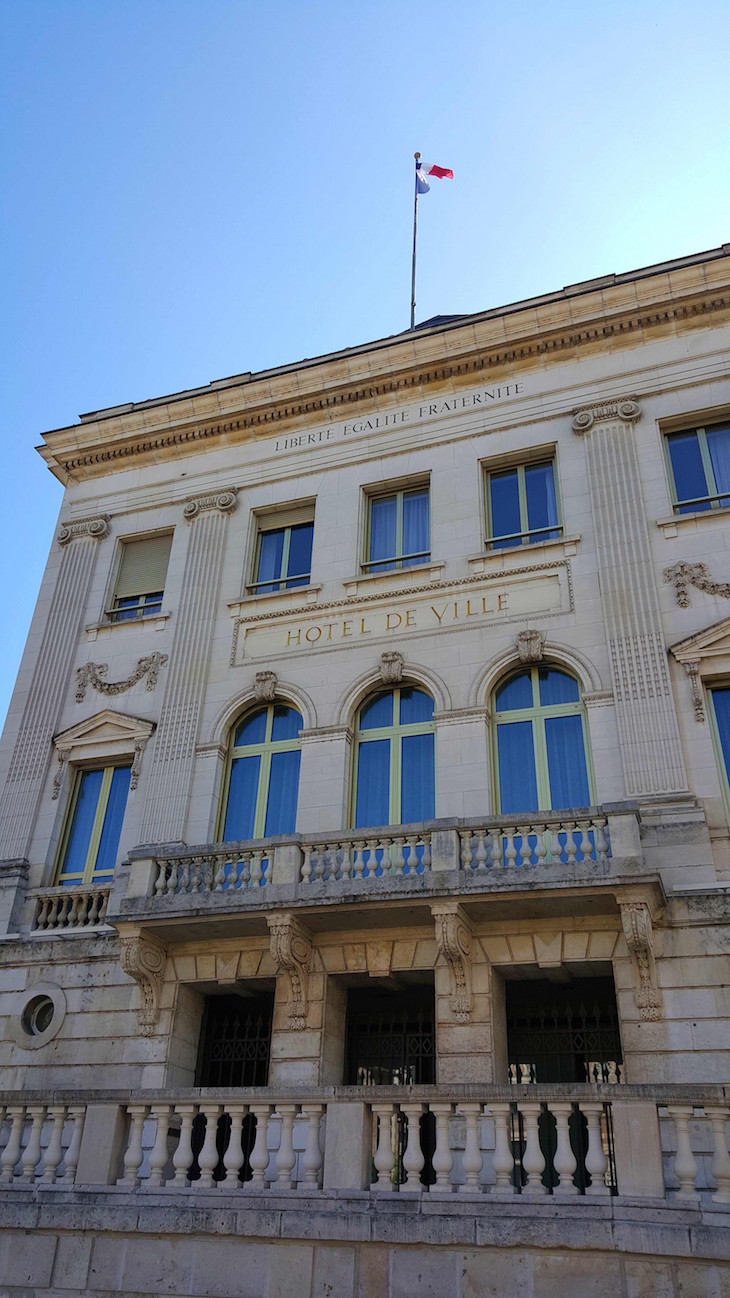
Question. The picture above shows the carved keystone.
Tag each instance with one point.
(639, 934)
(391, 667)
(454, 941)
(531, 646)
(264, 687)
(291, 951)
(144, 960)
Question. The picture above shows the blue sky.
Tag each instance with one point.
(192, 188)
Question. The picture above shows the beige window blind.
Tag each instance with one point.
(144, 566)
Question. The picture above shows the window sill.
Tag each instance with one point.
(286, 598)
(396, 578)
(153, 622)
(496, 560)
(677, 523)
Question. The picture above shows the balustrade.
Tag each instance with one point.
(40, 1143)
(225, 870)
(542, 841)
(367, 856)
(70, 908)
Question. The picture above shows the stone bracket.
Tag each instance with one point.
(144, 959)
(291, 951)
(639, 934)
(454, 941)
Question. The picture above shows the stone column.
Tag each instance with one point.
(171, 770)
(49, 683)
(645, 710)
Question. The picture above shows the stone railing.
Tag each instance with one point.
(69, 908)
(368, 856)
(655, 1142)
(503, 844)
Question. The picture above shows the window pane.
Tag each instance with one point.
(721, 700)
(87, 801)
(107, 854)
(542, 509)
(718, 444)
(689, 475)
(504, 499)
(415, 706)
(415, 525)
(287, 723)
(272, 547)
(382, 531)
(373, 784)
(516, 760)
(566, 762)
(418, 793)
(242, 792)
(300, 554)
(252, 729)
(378, 712)
(556, 687)
(281, 808)
(516, 693)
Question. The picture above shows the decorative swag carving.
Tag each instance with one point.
(684, 575)
(94, 674)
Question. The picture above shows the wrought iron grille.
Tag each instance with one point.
(390, 1038)
(236, 1041)
(563, 1034)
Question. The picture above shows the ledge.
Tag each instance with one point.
(156, 622)
(496, 560)
(676, 523)
(396, 580)
(297, 597)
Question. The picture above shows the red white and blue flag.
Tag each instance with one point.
(425, 169)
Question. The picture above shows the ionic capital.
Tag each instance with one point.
(454, 941)
(97, 528)
(224, 501)
(291, 951)
(626, 411)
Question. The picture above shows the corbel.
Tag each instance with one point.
(639, 933)
(291, 951)
(144, 959)
(454, 942)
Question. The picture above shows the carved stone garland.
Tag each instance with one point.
(454, 941)
(94, 674)
(291, 951)
(683, 575)
(637, 926)
(144, 960)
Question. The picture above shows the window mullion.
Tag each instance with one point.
(98, 825)
(522, 492)
(399, 527)
(542, 772)
(286, 545)
(707, 466)
(262, 792)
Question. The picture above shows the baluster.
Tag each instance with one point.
(685, 1163)
(134, 1154)
(466, 838)
(504, 1163)
(481, 855)
(472, 1159)
(285, 1156)
(720, 1167)
(42, 915)
(104, 905)
(306, 871)
(495, 840)
(32, 1152)
(208, 1156)
(510, 855)
(426, 856)
(596, 1162)
(72, 914)
(220, 874)
(93, 914)
(196, 874)
(533, 1159)
(384, 1153)
(358, 865)
(540, 848)
(208, 876)
(601, 840)
(372, 847)
(346, 866)
(586, 847)
(525, 849)
(319, 867)
(386, 864)
(443, 1159)
(398, 857)
(412, 861)
(11, 1152)
(233, 1156)
(312, 1157)
(259, 1159)
(161, 880)
(77, 1114)
(413, 1160)
(174, 880)
(564, 1162)
(570, 848)
(54, 1152)
(182, 1159)
(256, 868)
(555, 851)
(245, 871)
(58, 907)
(185, 874)
(158, 1157)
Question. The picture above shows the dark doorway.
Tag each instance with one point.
(390, 1037)
(235, 1041)
(563, 1033)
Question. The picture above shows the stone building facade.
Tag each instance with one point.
(365, 867)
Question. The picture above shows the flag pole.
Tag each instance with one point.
(415, 230)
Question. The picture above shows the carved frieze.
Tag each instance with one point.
(97, 528)
(639, 934)
(291, 951)
(531, 646)
(684, 575)
(627, 410)
(225, 501)
(264, 687)
(391, 668)
(144, 960)
(94, 674)
(454, 941)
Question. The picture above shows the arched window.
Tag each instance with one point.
(394, 759)
(540, 742)
(263, 774)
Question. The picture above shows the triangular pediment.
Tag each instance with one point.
(106, 729)
(714, 642)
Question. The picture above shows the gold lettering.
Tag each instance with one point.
(436, 612)
(346, 629)
(363, 629)
(502, 603)
(484, 605)
(392, 626)
(410, 617)
(329, 630)
(289, 640)
(470, 612)
(456, 611)
(312, 639)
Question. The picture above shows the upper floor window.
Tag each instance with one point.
(397, 530)
(394, 776)
(699, 463)
(263, 774)
(522, 505)
(91, 838)
(140, 582)
(720, 716)
(540, 742)
(283, 557)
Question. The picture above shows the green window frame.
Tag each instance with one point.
(283, 579)
(394, 733)
(720, 730)
(265, 750)
(526, 535)
(95, 817)
(537, 714)
(715, 496)
(398, 559)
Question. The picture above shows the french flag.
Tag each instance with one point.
(425, 169)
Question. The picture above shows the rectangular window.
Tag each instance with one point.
(699, 467)
(140, 581)
(283, 556)
(91, 840)
(398, 530)
(719, 710)
(522, 505)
